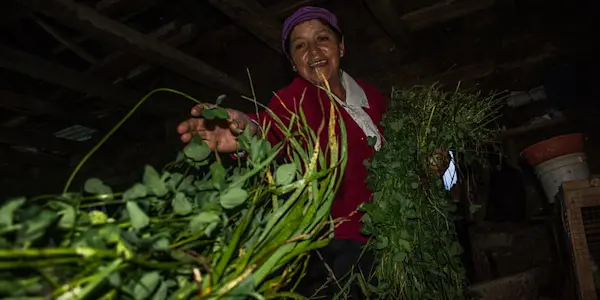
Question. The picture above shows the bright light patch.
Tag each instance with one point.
(450, 177)
(76, 133)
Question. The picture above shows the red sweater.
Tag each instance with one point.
(353, 189)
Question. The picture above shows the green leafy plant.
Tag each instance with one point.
(411, 216)
(195, 229)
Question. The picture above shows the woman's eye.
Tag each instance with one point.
(322, 38)
(299, 46)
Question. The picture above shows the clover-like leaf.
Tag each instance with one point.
(138, 217)
(233, 197)
(197, 149)
(285, 174)
(181, 205)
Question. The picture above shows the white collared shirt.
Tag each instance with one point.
(356, 102)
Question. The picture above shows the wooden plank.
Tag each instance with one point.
(33, 139)
(443, 12)
(252, 16)
(14, 157)
(27, 104)
(67, 42)
(41, 69)
(86, 20)
(386, 14)
(121, 10)
(119, 62)
(282, 9)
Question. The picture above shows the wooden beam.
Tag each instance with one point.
(14, 157)
(252, 16)
(281, 10)
(86, 20)
(27, 104)
(386, 14)
(44, 70)
(41, 141)
(443, 12)
(119, 62)
(114, 9)
(67, 42)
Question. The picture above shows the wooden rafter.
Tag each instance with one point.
(31, 106)
(112, 8)
(443, 12)
(13, 157)
(118, 62)
(281, 9)
(35, 67)
(27, 104)
(386, 13)
(86, 20)
(42, 141)
(67, 42)
(252, 16)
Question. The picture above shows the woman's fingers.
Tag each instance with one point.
(190, 127)
(197, 110)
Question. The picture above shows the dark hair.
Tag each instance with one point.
(338, 36)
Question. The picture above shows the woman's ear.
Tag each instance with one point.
(342, 47)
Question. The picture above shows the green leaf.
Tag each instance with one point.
(285, 174)
(138, 190)
(153, 182)
(399, 257)
(242, 290)
(161, 293)
(197, 149)
(381, 242)
(199, 222)
(220, 99)
(215, 113)
(36, 227)
(233, 197)
(114, 279)
(414, 185)
(162, 244)
(147, 285)
(138, 218)
(217, 172)
(181, 205)
(67, 219)
(97, 187)
(8, 210)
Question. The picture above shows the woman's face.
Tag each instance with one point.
(314, 46)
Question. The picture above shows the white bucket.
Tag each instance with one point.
(552, 173)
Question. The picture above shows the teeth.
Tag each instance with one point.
(317, 63)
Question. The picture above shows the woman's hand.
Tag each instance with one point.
(220, 135)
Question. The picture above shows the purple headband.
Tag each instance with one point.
(304, 14)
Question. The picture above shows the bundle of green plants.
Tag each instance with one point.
(194, 229)
(412, 216)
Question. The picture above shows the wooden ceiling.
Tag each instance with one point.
(87, 62)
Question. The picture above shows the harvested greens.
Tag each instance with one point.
(411, 216)
(182, 232)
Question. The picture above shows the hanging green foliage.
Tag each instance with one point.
(411, 215)
(183, 232)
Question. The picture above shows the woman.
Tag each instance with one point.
(313, 42)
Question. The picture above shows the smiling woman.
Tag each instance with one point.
(313, 42)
